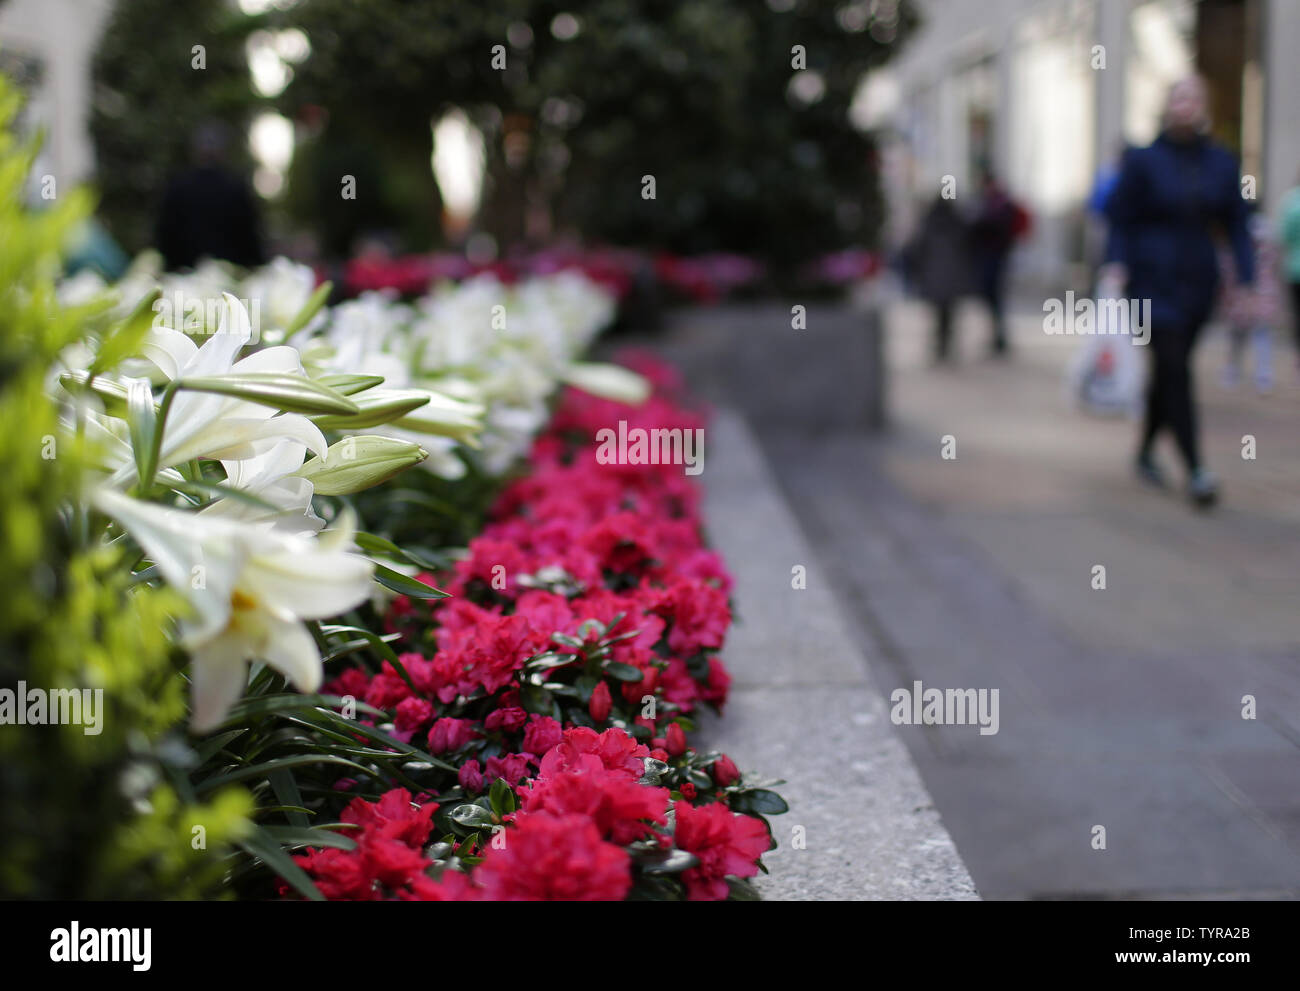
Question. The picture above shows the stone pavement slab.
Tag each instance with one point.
(1148, 743)
(1119, 707)
(803, 708)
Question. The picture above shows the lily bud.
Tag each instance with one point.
(346, 384)
(357, 463)
(279, 390)
(375, 407)
(446, 417)
(608, 382)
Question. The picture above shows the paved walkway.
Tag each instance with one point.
(1120, 707)
(803, 708)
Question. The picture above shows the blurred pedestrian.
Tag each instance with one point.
(997, 222)
(208, 211)
(939, 260)
(1290, 237)
(1252, 312)
(1171, 197)
(1095, 223)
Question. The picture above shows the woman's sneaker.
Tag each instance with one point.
(1203, 488)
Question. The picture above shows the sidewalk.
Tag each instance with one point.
(802, 707)
(1038, 483)
(1120, 707)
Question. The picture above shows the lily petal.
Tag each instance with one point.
(239, 438)
(301, 580)
(218, 676)
(198, 558)
(291, 651)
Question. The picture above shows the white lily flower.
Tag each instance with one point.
(205, 425)
(282, 288)
(269, 477)
(249, 586)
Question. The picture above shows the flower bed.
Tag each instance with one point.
(210, 493)
(558, 684)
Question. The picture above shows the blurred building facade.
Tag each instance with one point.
(47, 47)
(1049, 91)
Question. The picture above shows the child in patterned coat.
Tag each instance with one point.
(1251, 312)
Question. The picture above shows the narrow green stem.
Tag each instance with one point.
(160, 428)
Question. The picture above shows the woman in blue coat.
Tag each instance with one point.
(1172, 199)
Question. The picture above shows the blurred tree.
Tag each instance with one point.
(739, 109)
(152, 89)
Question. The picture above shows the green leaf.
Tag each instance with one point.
(534, 698)
(472, 816)
(112, 394)
(543, 662)
(309, 309)
(126, 337)
(266, 767)
(350, 728)
(439, 851)
(264, 847)
(214, 744)
(292, 837)
(266, 810)
(759, 801)
(352, 646)
(286, 790)
(653, 771)
(740, 890)
(372, 544)
(624, 672)
(502, 797)
(142, 421)
(667, 862)
(262, 705)
(402, 585)
(378, 644)
(292, 393)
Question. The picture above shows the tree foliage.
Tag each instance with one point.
(149, 97)
(703, 96)
(698, 95)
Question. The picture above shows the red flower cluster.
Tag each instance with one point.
(558, 682)
(569, 842)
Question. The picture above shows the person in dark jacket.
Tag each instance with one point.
(208, 211)
(940, 262)
(993, 232)
(1170, 201)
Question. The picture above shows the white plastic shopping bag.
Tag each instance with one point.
(1105, 375)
